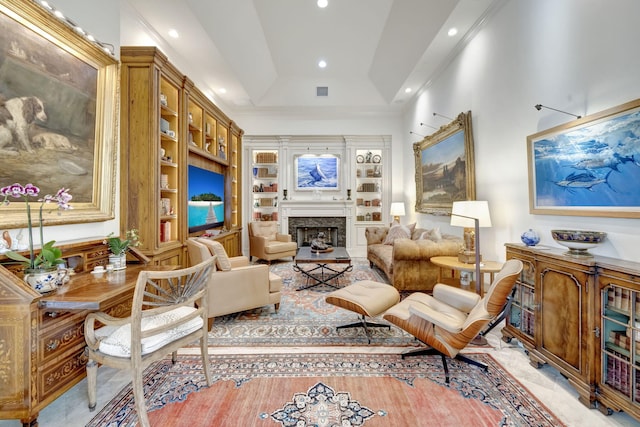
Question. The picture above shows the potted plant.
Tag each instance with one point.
(119, 247)
(41, 270)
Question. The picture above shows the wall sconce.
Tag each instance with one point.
(397, 210)
(540, 107)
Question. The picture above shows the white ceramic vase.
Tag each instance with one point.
(119, 261)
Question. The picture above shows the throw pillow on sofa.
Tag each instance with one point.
(398, 231)
(433, 234)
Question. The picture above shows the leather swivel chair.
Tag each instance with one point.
(450, 319)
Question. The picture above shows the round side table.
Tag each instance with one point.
(452, 263)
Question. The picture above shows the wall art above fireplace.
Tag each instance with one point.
(317, 172)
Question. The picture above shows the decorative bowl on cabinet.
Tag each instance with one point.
(578, 241)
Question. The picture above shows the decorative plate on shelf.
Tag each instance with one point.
(376, 159)
(360, 158)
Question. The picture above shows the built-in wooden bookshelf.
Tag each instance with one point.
(168, 124)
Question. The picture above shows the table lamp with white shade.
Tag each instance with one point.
(397, 210)
(470, 214)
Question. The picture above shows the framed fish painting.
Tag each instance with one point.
(317, 172)
(588, 167)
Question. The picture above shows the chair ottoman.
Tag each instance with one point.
(366, 298)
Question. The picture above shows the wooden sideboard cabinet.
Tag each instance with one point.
(558, 325)
(581, 315)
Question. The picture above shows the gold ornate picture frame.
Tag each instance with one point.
(72, 142)
(445, 171)
(589, 166)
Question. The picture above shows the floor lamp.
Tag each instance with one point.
(471, 214)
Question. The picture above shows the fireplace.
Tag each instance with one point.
(303, 219)
(304, 229)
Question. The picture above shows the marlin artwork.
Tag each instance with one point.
(315, 172)
(597, 165)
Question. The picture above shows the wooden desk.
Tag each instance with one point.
(452, 263)
(42, 336)
(88, 291)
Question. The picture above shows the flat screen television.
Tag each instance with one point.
(206, 199)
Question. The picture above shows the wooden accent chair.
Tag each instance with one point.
(265, 242)
(169, 311)
(236, 285)
(453, 317)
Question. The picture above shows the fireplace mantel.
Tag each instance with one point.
(319, 208)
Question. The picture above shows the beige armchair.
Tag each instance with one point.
(453, 317)
(265, 242)
(236, 285)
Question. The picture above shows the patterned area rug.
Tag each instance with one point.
(323, 390)
(304, 318)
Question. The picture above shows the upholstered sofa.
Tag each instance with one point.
(406, 260)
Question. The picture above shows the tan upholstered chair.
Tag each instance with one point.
(169, 311)
(265, 242)
(236, 285)
(453, 317)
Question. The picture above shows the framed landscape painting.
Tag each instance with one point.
(61, 90)
(317, 172)
(588, 167)
(444, 167)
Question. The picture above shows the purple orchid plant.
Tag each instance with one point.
(49, 255)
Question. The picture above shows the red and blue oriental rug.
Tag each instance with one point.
(304, 318)
(326, 390)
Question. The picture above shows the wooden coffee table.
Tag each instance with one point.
(322, 274)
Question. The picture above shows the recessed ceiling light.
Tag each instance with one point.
(323, 3)
(407, 90)
(174, 33)
(452, 31)
(322, 63)
(222, 90)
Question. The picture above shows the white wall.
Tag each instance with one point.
(574, 55)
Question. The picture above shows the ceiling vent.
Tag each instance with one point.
(322, 91)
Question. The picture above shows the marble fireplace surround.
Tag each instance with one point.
(318, 214)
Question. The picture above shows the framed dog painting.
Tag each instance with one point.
(58, 115)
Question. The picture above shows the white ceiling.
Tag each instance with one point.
(265, 52)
